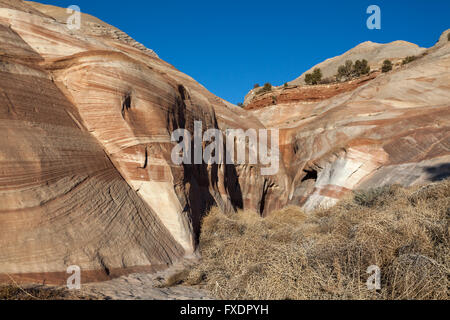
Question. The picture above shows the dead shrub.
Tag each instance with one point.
(16, 292)
(325, 254)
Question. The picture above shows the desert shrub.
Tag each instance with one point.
(317, 75)
(372, 197)
(286, 85)
(274, 99)
(387, 66)
(349, 70)
(16, 292)
(448, 36)
(360, 68)
(175, 278)
(240, 104)
(314, 77)
(345, 71)
(267, 88)
(256, 86)
(408, 59)
(327, 80)
(325, 254)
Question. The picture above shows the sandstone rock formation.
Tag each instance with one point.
(86, 176)
(293, 94)
(90, 26)
(394, 128)
(374, 53)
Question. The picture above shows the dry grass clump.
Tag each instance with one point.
(15, 292)
(325, 254)
(174, 279)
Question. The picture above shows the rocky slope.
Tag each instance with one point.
(297, 94)
(86, 176)
(374, 53)
(90, 26)
(394, 128)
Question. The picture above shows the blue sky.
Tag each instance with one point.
(228, 46)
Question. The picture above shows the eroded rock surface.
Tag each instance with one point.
(145, 286)
(394, 128)
(86, 176)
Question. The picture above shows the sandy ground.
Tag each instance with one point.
(142, 286)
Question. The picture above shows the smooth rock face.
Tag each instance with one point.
(392, 129)
(86, 176)
(62, 200)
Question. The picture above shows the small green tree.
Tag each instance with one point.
(349, 70)
(345, 71)
(317, 74)
(387, 66)
(356, 71)
(313, 78)
(360, 68)
(240, 104)
(256, 85)
(365, 67)
(286, 85)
